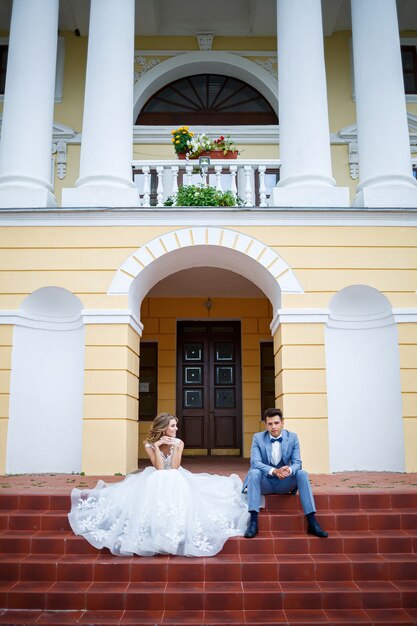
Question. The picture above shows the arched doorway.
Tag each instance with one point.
(363, 383)
(208, 334)
(47, 383)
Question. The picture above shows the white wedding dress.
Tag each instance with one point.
(169, 511)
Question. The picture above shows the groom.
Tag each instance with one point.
(276, 468)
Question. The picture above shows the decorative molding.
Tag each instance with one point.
(349, 135)
(322, 316)
(145, 64)
(261, 134)
(112, 316)
(61, 136)
(209, 216)
(28, 320)
(60, 149)
(205, 40)
(125, 316)
(405, 316)
(361, 322)
(353, 159)
(147, 59)
(257, 261)
(87, 316)
(269, 64)
(173, 53)
(298, 316)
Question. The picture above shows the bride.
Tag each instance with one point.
(163, 510)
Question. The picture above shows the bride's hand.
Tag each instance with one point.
(165, 441)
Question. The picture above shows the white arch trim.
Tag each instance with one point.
(199, 62)
(204, 246)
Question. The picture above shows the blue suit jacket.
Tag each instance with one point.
(260, 455)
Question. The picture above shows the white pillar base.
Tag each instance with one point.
(310, 196)
(395, 196)
(26, 198)
(100, 196)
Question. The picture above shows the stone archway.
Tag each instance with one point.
(208, 247)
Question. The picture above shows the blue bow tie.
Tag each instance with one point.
(277, 439)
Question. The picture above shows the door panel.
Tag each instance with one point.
(209, 389)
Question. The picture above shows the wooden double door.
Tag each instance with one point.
(209, 387)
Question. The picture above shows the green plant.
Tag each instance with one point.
(194, 195)
(225, 144)
(181, 138)
(185, 142)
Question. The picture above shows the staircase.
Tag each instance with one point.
(364, 573)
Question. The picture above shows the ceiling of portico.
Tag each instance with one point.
(240, 18)
(205, 282)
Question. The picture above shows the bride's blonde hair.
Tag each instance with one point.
(159, 426)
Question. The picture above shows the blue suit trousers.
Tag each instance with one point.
(259, 484)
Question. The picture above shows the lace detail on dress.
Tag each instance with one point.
(161, 512)
(166, 458)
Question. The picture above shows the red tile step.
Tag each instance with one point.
(282, 520)
(345, 617)
(346, 501)
(364, 572)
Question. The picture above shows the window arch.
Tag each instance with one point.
(211, 99)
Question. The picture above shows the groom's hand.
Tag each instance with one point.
(282, 472)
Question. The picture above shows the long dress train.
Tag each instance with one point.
(169, 511)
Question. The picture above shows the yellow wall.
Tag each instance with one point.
(110, 399)
(324, 259)
(408, 363)
(300, 389)
(6, 343)
(160, 315)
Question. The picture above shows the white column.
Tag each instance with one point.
(26, 134)
(383, 140)
(306, 171)
(107, 137)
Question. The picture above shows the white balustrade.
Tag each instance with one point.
(160, 188)
(252, 180)
(262, 188)
(248, 185)
(146, 198)
(218, 171)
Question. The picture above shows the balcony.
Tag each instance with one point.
(251, 179)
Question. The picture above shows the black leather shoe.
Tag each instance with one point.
(252, 530)
(294, 491)
(315, 529)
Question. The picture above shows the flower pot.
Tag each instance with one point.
(213, 154)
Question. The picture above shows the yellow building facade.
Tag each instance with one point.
(305, 296)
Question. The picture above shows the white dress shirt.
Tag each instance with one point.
(276, 454)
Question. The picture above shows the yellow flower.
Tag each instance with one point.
(191, 134)
(184, 132)
(177, 141)
(173, 132)
(185, 127)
